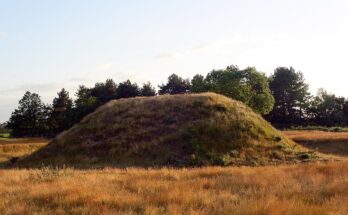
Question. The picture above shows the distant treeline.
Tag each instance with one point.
(283, 99)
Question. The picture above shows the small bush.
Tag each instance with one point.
(305, 156)
(277, 155)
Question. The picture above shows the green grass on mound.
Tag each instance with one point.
(177, 130)
(5, 135)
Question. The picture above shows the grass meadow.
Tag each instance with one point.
(310, 188)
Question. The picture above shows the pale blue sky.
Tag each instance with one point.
(47, 45)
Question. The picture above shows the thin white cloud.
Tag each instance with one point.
(211, 46)
(174, 55)
(32, 87)
(105, 66)
(82, 80)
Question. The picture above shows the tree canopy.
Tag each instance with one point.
(248, 86)
(30, 118)
(283, 99)
(291, 96)
(174, 85)
(61, 110)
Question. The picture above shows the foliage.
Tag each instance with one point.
(104, 92)
(31, 117)
(291, 97)
(59, 119)
(147, 90)
(283, 99)
(198, 84)
(127, 89)
(328, 110)
(4, 128)
(175, 85)
(248, 86)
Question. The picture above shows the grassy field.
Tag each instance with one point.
(326, 142)
(313, 188)
(296, 189)
(5, 135)
(11, 148)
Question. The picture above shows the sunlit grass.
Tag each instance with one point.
(13, 148)
(313, 188)
(296, 189)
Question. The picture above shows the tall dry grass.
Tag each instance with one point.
(297, 189)
(16, 147)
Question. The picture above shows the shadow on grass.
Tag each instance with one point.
(337, 147)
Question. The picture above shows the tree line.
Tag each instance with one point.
(283, 99)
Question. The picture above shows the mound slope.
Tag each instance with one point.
(176, 130)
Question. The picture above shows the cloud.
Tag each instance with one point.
(174, 55)
(105, 66)
(82, 80)
(203, 48)
(32, 87)
(234, 44)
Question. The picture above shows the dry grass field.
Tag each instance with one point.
(326, 142)
(296, 189)
(312, 188)
(14, 148)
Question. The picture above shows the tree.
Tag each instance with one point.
(127, 89)
(291, 95)
(30, 118)
(328, 110)
(85, 103)
(248, 85)
(4, 128)
(175, 85)
(147, 90)
(104, 92)
(198, 84)
(61, 111)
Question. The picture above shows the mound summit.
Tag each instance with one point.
(169, 130)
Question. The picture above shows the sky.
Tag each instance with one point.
(48, 45)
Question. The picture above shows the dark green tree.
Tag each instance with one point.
(328, 110)
(147, 90)
(175, 85)
(104, 92)
(30, 118)
(198, 84)
(248, 85)
(291, 95)
(127, 89)
(60, 118)
(85, 103)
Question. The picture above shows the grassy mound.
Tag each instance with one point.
(178, 130)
